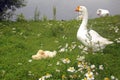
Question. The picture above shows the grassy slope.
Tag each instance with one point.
(20, 40)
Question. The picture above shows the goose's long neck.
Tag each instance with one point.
(83, 25)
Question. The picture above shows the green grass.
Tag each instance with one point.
(20, 40)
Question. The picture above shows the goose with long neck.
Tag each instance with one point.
(83, 26)
(90, 38)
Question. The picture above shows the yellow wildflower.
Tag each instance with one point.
(63, 77)
(106, 78)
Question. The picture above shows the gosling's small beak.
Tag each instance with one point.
(77, 9)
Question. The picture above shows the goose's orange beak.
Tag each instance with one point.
(77, 9)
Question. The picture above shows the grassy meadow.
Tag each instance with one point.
(20, 40)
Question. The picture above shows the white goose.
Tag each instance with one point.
(103, 12)
(90, 38)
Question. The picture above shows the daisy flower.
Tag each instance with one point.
(81, 58)
(57, 70)
(80, 64)
(92, 66)
(66, 60)
(48, 75)
(71, 69)
(58, 63)
(42, 78)
(30, 60)
(89, 75)
(101, 67)
(63, 77)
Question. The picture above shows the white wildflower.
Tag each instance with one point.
(50, 65)
(13, 28)
(117, 40)
(101, 67)
(64, 37)
(19, 63)
(66, 60)
(80, 65)
(30, 73)
(112, 77)
(60, 46)
(97, 73)
(116, 29)
(73, 46)
(81, 46)
(89, 75)
(42, 78)
(62, 50)
(14, 31)
(66, 46)
(48, 75)
(58, 63)
(116, 79)
(57, 70)
(56, 41)
(73, 42)
(21, 33)
(71, 69)
(81, 58)
(30, 60)
(84, 51)
(92, 66)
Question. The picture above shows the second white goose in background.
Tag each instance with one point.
(90, 38)
(102, 12)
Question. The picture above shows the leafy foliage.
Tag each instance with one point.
(21, 17)
(9, 6)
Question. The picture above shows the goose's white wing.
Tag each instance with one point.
(98, 38)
